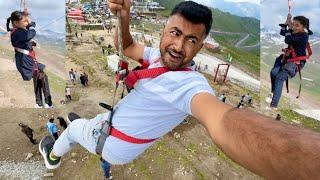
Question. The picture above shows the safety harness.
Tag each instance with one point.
(129, 79)
(31, 54)
(290, 52)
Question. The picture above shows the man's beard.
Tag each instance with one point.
(177, 59)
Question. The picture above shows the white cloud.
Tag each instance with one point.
(42, 11)
(251, 1)
(274, 12)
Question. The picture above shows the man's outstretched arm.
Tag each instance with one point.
(269, 148)
(131, 49)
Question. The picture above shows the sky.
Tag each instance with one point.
(251, 1)
(274, 12)
(43, 12)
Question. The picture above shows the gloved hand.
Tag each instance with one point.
(31, 24)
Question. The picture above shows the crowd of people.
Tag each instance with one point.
(74, 77)
(245, 100)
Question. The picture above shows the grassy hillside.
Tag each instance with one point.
(224, 21)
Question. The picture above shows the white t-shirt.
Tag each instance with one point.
(68, 91)
(153, 108)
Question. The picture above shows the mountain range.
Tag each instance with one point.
(243, 9)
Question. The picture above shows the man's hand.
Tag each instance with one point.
(120, 5)
(131, 49)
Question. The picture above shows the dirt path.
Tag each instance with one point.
(234, 73)
(13, 91)
(238, 44)
(241, 41)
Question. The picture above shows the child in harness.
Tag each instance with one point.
(294, 56)
(21, 39)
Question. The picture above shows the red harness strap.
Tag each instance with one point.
(136, 75)
(130, 80)
(296, 58)
(118, 134)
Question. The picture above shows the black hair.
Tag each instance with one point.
(15, 16)
(305, 23)
(51, 120)
(195, 13)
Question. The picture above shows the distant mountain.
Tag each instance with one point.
(243, 9)
(273, 37)
(49, 35)
(224, 21)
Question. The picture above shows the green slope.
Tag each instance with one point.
(224, 21)
(246, 59)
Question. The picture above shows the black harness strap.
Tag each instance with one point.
(300, 76)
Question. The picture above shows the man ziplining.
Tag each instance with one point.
(22, 36)
(167, 90)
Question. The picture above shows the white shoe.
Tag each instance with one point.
(269, 98)
(37, 106)
(271, 108)
(47, 106)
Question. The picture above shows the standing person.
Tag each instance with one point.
(28, 132)
(106, 169)
(297, 40)
(68, 93)
(75, 75)
(52, 128)
(222, 96)
(62, 122)
(86, 79)
(248, 99)
(82, 79)
(271, 149)
(71, 76)
(22, 36)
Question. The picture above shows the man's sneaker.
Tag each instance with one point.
(37, 106)
(47, 106)
(73, 116)
(45, 147)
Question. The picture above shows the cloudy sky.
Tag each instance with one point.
(274, 12)
(251, 1)
(43, 12)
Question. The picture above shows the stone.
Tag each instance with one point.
(29, 155)
(73, 155)
(176, 135)
(48, 175)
